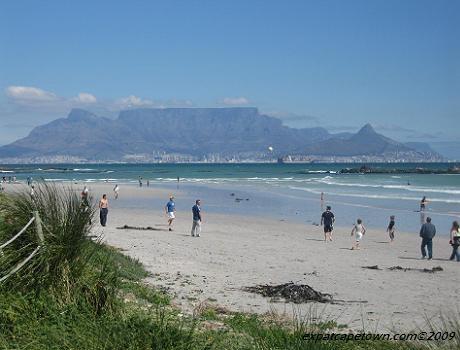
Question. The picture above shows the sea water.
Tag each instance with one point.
(282, 191)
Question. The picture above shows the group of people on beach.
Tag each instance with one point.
(427, 232)
(170, 209)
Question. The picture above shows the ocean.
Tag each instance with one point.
(282, 191)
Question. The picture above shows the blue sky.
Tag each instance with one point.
(338, 64)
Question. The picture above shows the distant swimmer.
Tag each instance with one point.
(423, 203)
(328, 219)
(359, 231)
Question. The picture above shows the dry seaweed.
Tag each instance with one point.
(296, 293)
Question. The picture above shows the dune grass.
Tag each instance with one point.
(78, 293)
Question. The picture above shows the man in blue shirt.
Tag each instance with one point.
(197, 219)
(170, 210)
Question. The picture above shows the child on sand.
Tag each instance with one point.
(358, 230)
(391, 228)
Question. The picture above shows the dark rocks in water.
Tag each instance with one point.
(368, 170)
(373, 267)
(232, 194)
(296, 293)
(148, 228)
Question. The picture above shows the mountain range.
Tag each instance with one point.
(198, 134)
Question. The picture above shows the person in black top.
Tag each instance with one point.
(391, 228)
(328, 219)
(423, 203)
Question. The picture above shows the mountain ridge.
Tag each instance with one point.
(194, 133)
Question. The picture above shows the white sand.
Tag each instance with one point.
(234, 252)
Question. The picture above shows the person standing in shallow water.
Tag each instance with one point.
(103, 209)
(423, 203)
(328, 219)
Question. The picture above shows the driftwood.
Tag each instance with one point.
(296, 293)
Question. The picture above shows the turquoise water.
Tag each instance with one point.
(284, 191)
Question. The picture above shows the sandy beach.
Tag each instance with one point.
(234, 252)
(239, 251)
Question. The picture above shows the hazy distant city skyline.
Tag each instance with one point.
(394, 64)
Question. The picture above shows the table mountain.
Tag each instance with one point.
(196, 133)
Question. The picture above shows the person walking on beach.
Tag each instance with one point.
(391, 228)
(328, 219)
(170, 209)
(140, 181)
(455, 241)
(103, 209)
(359, 231)
(423, 204)
(197, 219)
(116, 189)
(427, 232)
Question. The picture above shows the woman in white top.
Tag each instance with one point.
(358, 230)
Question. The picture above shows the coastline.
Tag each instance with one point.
(241, 251)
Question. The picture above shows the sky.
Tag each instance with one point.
(337, 64)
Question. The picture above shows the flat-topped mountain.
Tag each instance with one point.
(193, 133)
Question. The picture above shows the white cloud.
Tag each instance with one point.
(34, 99)
(30, 93)
(133, 101)
(235, 101)
(84, 97)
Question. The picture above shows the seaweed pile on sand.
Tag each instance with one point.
(291, 292)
